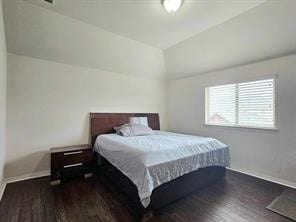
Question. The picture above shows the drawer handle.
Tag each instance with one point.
(72, 153)
(73, 165)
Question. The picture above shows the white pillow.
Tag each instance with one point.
(133, 130)
(139, 120)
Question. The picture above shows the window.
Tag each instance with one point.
(246, 104)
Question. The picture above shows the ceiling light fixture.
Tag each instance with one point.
(172, 5)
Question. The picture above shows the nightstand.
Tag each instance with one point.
(71, 161)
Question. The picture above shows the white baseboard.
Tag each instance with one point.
(47, 173)
(27, 176)
(2, 188)
(267, 178)
(21, 178)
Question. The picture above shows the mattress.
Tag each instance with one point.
(151, 160)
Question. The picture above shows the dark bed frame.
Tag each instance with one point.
(103, 123)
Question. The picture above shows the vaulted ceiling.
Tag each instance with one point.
(138, 37)
(146, 21)
(265, 32)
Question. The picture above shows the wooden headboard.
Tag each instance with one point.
(102, 123)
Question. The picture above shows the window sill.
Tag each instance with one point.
(244, 127)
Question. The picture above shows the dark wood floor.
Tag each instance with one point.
(239, 198)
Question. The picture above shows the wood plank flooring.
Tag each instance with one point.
(239, 198)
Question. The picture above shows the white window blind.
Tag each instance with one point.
(247, 104)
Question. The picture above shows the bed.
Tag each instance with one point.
(155, 170)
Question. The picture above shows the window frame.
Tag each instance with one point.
(275, 113)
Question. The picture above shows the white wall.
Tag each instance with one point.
(59, 70)
(49, 104)
(3, 84)
(40, 33)
(48, 101)
(271, 154)
(267, 31)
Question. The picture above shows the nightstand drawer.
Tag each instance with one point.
(75, 157)
(71, 161)
(75, 170)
